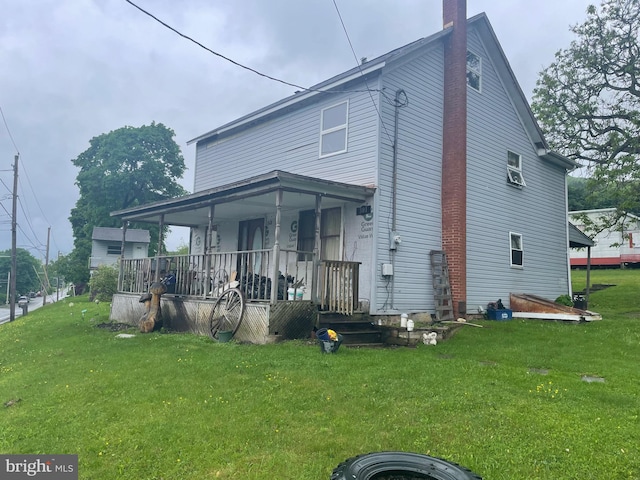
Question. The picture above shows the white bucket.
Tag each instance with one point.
(298, 292)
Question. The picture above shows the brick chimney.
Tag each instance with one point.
(454, 150)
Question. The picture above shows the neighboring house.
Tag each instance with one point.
(618, 246)
(106, 245)
(429, 147)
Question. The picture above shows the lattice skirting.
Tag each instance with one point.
(261, 322)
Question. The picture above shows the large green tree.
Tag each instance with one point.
(28, 273)
(124, 168)
(588, 101)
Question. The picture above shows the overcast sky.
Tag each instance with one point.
(74, 69)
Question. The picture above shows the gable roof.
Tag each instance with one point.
(373, 67)
(111, 234)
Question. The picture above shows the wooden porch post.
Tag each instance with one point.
(156, 276)
(275, 272)
(207, 252)
(125, 224)
(316, 251)
(588, 288)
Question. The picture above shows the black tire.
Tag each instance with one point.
(400, 466)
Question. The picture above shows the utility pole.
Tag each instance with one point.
(46, 264)
(14, 253)
(58, 277)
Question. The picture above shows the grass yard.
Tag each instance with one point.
(507, 400)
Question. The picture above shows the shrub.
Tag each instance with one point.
(565, 300)
(103, 283)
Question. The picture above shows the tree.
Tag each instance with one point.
(585, 194)
(588, 102)
(124, 168)
(27, 270)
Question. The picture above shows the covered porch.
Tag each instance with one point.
(248, 232)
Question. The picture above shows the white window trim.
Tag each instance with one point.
(477, 71)
(514, 174)
(344, 126)
(511, 249)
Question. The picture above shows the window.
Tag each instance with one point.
(515, 240)
(514, 169)
(114, 249)
(306, 232)
(330, 229)
(474, 70)
(333, 129)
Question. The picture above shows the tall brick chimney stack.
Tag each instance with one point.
(454, 151)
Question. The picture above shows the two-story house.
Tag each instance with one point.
(353, 188)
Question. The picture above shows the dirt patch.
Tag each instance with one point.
(114, 327)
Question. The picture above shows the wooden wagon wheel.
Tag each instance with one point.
(227, 312)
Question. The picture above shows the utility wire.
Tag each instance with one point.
(26, 174)
(9, 131)
(186, 37)
(5, 185)
(26, 217)
(360, 69)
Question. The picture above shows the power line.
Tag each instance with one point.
(186, 37)
(9, 131)
(344, 28)
(26, 174)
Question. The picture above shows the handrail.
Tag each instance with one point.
(337, 281)
(339, 286)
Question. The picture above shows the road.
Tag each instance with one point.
(33, 305)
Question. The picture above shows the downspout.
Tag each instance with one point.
(394, 187)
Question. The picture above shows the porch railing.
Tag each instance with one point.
(335, 286)
(339, 286)
(205, 275)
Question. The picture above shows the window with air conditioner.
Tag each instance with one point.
(514, 170)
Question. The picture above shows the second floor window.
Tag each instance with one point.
(474, 70)
(333, 129)
(514, 169)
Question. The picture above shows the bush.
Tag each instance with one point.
(565, 300)
(103, 283)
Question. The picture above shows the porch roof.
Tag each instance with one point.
(247, 198)
(577, 238)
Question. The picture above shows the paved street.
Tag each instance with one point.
(33, 305)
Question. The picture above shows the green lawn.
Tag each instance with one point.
(507, 400)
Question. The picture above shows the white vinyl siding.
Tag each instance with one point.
(291, 143)
(496, 208)
(418, 184)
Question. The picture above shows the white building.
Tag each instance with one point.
(618, 246)
(106, 245)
